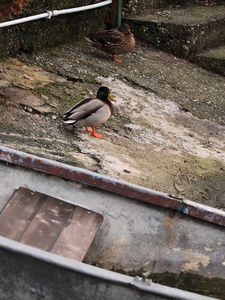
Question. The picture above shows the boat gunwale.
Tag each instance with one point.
(50, 167)
(8, 245)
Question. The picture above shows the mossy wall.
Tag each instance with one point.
(36, 35)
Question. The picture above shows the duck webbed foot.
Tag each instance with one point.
(116, 60)
(93, 132)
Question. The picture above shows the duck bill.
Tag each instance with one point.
(110, 97)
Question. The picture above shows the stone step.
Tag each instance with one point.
(213, 59)
(183, 31)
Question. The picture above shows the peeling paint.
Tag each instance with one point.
(194, 260)
(115, 249)
(123, 239)
(207, 249)
(185, 211)
(24, 76)
(176, 249)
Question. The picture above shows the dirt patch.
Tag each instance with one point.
(164, 127)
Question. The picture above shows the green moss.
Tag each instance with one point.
(218, 53)
(209, 166)
(213, 287)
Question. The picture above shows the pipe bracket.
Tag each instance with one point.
(50, 14)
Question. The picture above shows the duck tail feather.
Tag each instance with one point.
(88, 39)
(69, 122)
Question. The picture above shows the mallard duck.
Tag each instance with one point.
(114, 41)
(91, 112)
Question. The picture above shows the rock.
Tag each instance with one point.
(4, 83)
(24, 76)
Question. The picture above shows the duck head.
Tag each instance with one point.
(104, 93)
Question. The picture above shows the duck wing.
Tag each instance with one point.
(107, 38)
(104, 36)
(97, 118)
(82, 110)
(113, 41)
(111, 36)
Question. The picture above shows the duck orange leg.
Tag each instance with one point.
(93, 132)
(87, 129)
(116, 60)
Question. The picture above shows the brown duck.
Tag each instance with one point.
(114, 41)
(91, 111)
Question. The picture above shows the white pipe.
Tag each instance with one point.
(54, 13)
(76, 9)
(23, 20)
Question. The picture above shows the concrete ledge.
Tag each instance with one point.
(213, 60)
(184, 31)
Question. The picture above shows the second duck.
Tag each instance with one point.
(114, 41)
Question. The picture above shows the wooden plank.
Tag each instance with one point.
(78, 235)
(49, 224)
(18, 213)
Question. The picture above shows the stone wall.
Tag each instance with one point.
(134, 7)
(35, 35)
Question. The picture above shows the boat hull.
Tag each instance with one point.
(134, 231)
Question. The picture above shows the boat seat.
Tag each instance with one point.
(49, 224)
